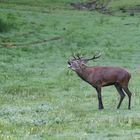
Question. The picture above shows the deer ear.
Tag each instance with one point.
(82, 65)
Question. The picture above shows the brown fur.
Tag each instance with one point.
(101, 76)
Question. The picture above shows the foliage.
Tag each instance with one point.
(7, 23)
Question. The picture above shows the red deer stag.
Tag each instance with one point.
(100, 76)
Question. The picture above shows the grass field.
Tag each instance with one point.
(40, 98)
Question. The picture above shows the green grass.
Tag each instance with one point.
(124, 3)
(40, 98)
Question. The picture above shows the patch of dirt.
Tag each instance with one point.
(102, 7)
(131, 11)
(92, 5)
(46, 40)
(9, 44)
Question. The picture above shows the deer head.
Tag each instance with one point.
(78, 62)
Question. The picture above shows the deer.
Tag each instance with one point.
(101, 76)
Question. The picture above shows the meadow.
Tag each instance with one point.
(40, 98)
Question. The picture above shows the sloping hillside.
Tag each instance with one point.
(40, 98)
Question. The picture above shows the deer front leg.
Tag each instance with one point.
(98, 89)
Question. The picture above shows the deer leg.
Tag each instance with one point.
(122, 94)
(129, 96)
(98, 89)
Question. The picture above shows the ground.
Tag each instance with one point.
(40, 98)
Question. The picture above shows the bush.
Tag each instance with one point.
(6, 24)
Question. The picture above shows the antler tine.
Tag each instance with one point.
(73, 55)
(78, 55)
(94, 57)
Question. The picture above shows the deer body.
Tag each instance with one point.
(100, 76)
(103, 76)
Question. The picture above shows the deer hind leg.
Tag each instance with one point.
(122, 94)
(127, 91)
(98, 89)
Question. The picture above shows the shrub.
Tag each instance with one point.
(6, 24)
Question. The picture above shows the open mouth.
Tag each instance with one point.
(69, 64)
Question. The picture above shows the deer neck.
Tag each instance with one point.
(83, 72)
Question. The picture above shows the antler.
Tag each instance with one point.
(86, 59)
(77, 56)
(74, 56)
(94, 57)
